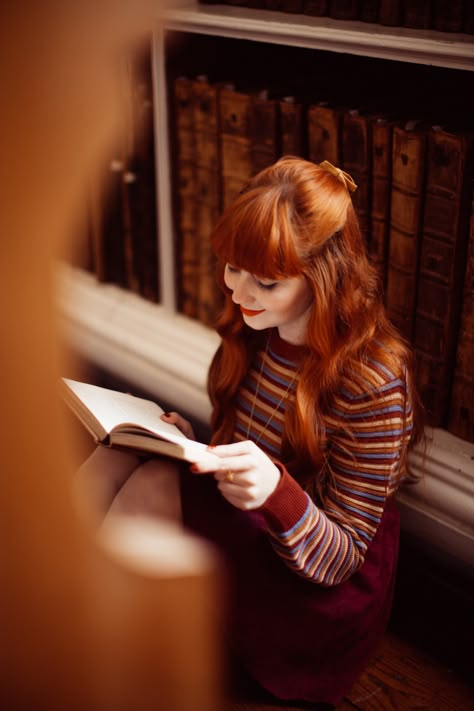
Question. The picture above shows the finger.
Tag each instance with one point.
(239, 466)
(234, 449)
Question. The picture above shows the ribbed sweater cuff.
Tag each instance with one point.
(285, 507)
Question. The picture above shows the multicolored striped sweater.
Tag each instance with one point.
(328, 546)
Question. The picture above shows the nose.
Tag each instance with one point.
(241, 289)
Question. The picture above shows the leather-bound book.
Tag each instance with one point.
(186, 203)
(406, 213)
(344, 9)
(381, 158)
(293, 6)
(264, 130)
(325, 133)
(448, 16)
(208, 193)
(468, 21)
(369, 10)
(442, 266)
(417, 14)
(318, 8)
(293, 132)
(390, 12)
(356, 160)
(461, 411)
(235, 109)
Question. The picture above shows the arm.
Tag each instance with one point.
(327, 546)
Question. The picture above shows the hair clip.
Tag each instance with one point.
(340, 174)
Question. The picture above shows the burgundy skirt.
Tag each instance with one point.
(299, 640)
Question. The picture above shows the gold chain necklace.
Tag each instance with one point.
(277, 406)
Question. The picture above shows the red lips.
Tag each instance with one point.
(249, 312)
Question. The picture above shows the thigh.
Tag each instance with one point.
(153, 489)
(100, 478)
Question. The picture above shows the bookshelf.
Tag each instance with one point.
(164, 353)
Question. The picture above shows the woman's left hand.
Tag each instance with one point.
(246, 477)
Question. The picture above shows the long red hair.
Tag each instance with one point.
(296, 218)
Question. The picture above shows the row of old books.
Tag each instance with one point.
(440, 15)
(413, 203)
(121, 241)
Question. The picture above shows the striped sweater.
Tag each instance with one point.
(328, 546)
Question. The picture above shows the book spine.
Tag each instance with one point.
(417, 14)
(448, 16)
(318, 8)
(344, 9)
(292, 6)
(356, 160)
(324, 133)
(461, 413)
(235, 142)
(184, 168)
(208, 194)
(292, 127)
(390, 13)
(264, 131)
(442, 267)
(382, 130)
(406, 212)
(369, 11)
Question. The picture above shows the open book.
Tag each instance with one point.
(118, 419)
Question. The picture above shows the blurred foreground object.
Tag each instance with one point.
(80, 628)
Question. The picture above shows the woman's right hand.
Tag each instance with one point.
(174, 419)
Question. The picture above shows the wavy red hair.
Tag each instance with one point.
(296, 218)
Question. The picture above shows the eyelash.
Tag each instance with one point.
(265, 287)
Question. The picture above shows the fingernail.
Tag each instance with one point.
(167, 414)
(194, 468)
(211, 446)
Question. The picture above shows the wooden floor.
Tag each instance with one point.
(400, 677)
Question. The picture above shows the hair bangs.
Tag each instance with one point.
(257, 234)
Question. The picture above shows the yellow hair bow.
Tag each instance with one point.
(340, 174)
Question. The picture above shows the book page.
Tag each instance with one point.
(114, 409)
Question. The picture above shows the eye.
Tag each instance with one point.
(267, 287)
(231, 269)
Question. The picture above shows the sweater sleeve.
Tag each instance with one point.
(328, 545)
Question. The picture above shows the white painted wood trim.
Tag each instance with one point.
(443, 49)
(168, 356)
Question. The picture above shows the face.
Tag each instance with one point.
(267, 303)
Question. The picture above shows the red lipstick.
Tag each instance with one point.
(249, 312)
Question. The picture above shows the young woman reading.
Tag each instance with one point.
(314, 411)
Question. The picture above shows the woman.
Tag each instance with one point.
(313, 413)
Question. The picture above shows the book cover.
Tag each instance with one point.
(442, 266)
(356, 160)
(406, 213)
(325, 133)
(461, 411)
(381, 159)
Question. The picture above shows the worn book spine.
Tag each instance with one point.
(461, 412)
(344, 9)
(417, 14)
(356, 160)
(369, 10)
(186, 203)
(292, 6)
(406, 212)
(381, 158)
(325, 133)
(139, 183)
(208, 194)
(442, 267)
(390, 12)
(235, 141)
(264, 130)
(293, 133)
(448, 16)
(318, 8)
